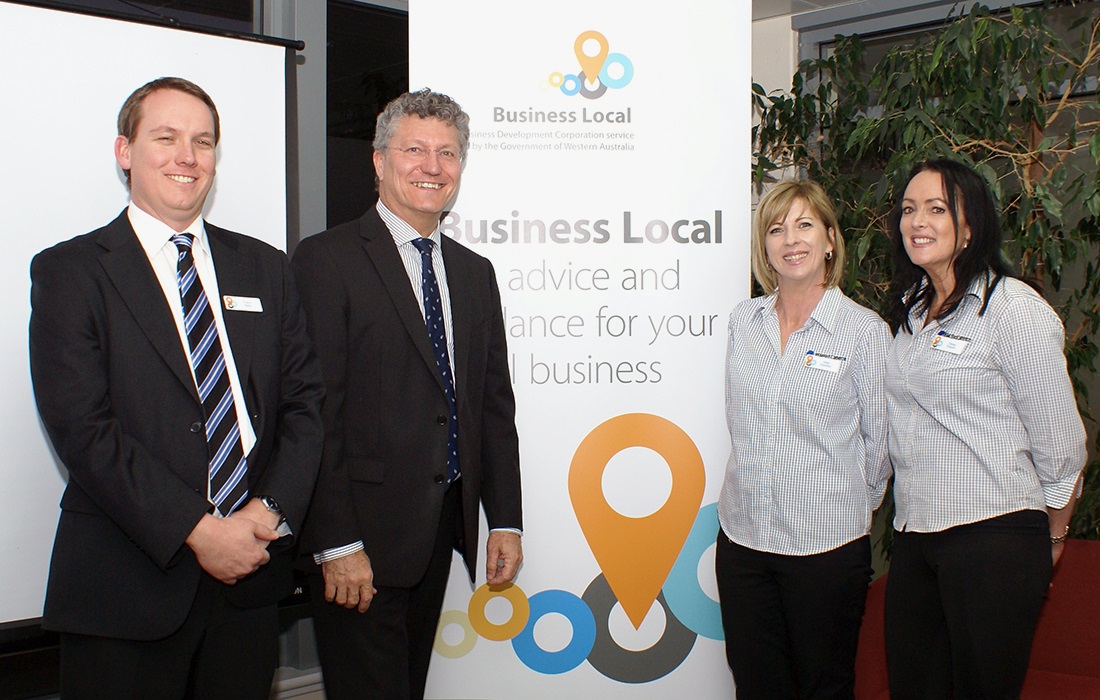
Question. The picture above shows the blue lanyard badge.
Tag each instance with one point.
(826, 363)
(946, 342)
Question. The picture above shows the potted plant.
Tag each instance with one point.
(1014, 95)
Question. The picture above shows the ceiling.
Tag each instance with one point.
(763, 9)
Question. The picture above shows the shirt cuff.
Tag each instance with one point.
(513, 530)
(1057, 494)
(337, 552)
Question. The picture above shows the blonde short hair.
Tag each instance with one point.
(774, 206)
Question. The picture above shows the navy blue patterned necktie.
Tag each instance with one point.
(437, 334)
(228, 465)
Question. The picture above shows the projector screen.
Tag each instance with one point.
(65, 77)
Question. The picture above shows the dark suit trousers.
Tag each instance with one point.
(220, 652)
(962, 605)
(383, 654)
(792, 622)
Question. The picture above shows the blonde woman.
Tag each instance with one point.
(808, 465)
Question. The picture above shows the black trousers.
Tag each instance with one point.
(383, 653)
(962, 605)
(220, 652)
(792, 622)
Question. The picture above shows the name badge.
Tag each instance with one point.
(946, 342)
(252, 304)
(827, 363)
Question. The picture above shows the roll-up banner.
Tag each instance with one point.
(608, 182)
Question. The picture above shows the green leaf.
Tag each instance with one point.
(962, 44)
(937, 54)
(1052, 205)
(862, 245)
(1093, 205)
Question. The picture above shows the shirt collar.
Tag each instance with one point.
(767, 305)
(979, 287)
(828, 309)
(824, 314)
(154, 234)
(402, 232)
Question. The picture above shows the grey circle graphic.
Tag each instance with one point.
(628, 666)
(590, 94)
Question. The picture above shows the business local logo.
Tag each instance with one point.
(645, 562)
(600, 70)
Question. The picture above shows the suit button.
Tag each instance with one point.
(438, 478)
(196, 427)
(442, 420)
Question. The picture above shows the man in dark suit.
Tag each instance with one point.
(419, 416)
(175, 377)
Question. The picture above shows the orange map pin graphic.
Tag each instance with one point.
(591, 65)
(636, 554)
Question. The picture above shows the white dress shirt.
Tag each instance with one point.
(983, 419)
(156, 240)
(808, 462)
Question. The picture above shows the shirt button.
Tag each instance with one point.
(196, 427)
(442, 420)
(438, 478)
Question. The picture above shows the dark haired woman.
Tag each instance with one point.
(986, 443)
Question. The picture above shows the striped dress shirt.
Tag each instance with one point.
(983, 419)
(808, 462)
(403, 236)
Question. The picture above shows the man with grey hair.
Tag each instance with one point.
(420, 417)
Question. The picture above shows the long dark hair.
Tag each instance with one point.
(911, 288)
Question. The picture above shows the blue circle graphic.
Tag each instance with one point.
(694, 608)
(574, 654)
(570, 84)
(628, 71)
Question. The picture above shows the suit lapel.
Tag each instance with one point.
(130, 272)
(380, 248)
(236, 276)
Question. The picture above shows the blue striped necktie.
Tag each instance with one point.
(437, 333)
(228, 465)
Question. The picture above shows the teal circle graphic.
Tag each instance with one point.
(693, 607)
(628, 71)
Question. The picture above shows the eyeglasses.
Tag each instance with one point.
(419, 154)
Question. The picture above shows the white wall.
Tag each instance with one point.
(774, 52)
(774, 59)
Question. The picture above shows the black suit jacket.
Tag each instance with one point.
(386, 411)
(116, 395)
